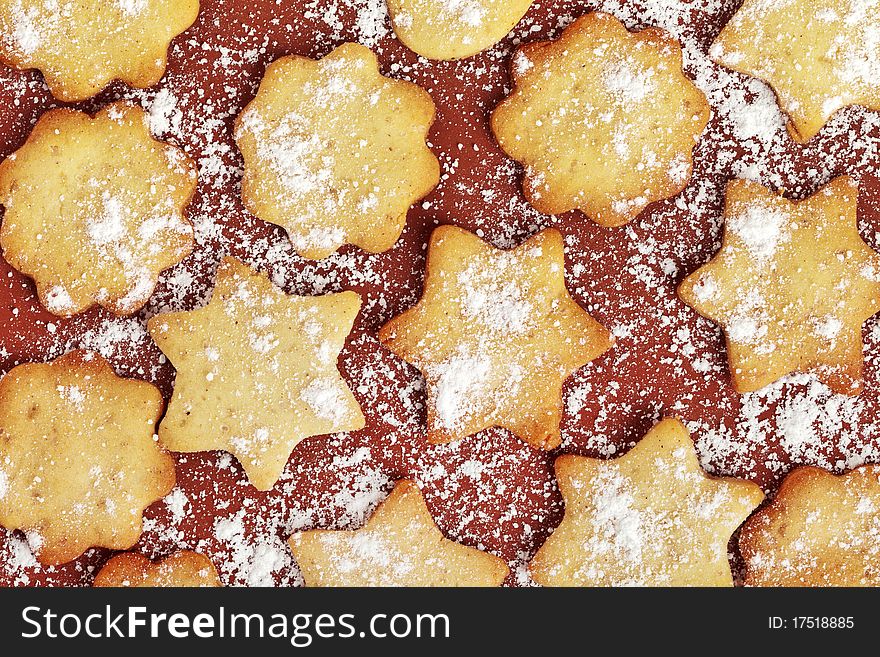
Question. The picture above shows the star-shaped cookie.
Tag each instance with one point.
(399, 546)
(819, 56)
(81, 45)
(821, 529)
(454, 29)
(791, 286)
(256, 371)
(94, 209)
(78, 457)
(495, 334)
(334, 152)
(649, 518)
(602, 119)
(181, 569)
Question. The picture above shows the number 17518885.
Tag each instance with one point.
(811, 623)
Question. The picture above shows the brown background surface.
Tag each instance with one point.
(491, 490)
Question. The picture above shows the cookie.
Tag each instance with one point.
(791, 286)
(603, 120)
(94, 209)
(649, 518)
(821, 529)
(495, 334)
(334, 152)
(399, 546)
(181, 569)
(456, 29)
(78, 457)
(817, 56)
(82, 45)
(256, 371)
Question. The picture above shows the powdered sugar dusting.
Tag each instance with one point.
(490, 489)
(761, 228)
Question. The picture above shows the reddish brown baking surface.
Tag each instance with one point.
(490, 491)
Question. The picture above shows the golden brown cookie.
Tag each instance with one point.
(649, 518)
(399, 546)
(496, 334)
(453, 29)
(819, 56)
(81, 45)
(94, 209)
(821, 529)
(181, 569)
(791, 286)
(603, 120)
(334, 152)
(256, 371)
(78, 457)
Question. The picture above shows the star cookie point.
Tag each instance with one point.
(791, 286)
(78, 455)
(818, 56)
(256, 371)
(400, 545)
(94, 209)
(496, 334)
(603, 120)
(336, 153)
(652, 517)
(81, 46)
(181, 569)
(454, 30)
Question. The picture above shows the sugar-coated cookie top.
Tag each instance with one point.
(82, 45)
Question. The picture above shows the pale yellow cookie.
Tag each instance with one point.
(603, 120)
(181, 569)
(399, 546)
(334, 152)
(821, 529)
(649, 518)
(791, 286)
(256, 371)
(453, 29)
(818, 55)
(94, 209)
(496, 334)
(79, 460)
(81, 45)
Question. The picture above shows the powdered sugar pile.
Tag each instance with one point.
(795, 420)
(34, 25)
(132, 7)
(630, 83)
(253, 561)
(761, 228)
(369, 552)
(468, 12)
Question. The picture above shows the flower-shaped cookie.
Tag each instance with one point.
(791, 286)
(94, 209)
(649, 518)
(334, 152)
(452, 29)
(495, 334)
(256, 371)
(81, 45)
(603, 120)
(399, 546)
(78, 457)
(818, 55)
